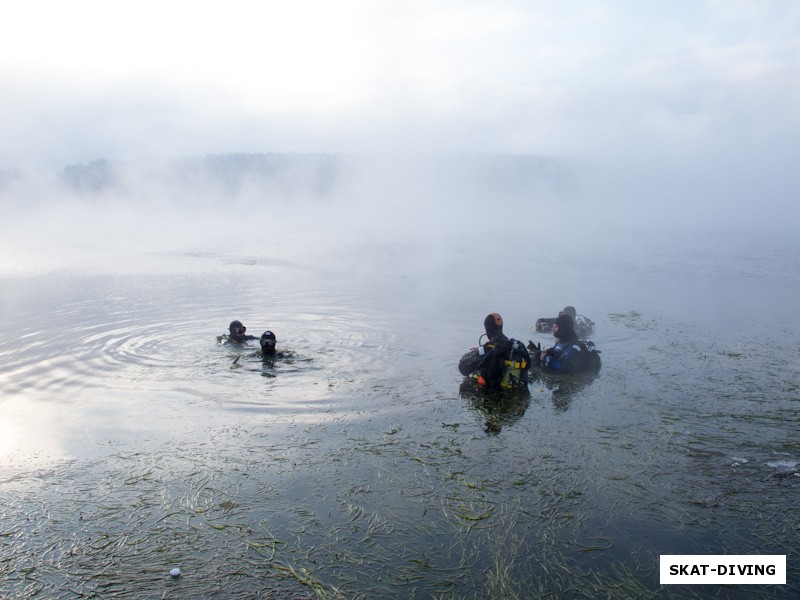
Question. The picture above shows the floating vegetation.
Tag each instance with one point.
(605, 544)
(376, 476)
(631, 319)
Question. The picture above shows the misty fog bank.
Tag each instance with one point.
(398, 192)
(198, 199)
(312, 175)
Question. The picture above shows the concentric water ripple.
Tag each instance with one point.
(63, 356)
(126, 338)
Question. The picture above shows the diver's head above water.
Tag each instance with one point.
(493, 323)
(564, 328)
(236, 330)
(268, 342)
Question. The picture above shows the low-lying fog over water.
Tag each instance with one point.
(369, 180)
(132, 442)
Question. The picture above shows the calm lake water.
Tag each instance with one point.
(132, 442)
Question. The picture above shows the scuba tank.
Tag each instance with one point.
(516, 363)
(504, 366)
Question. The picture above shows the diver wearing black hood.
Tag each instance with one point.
(269, 352)
(500, 363)
(583, 325)
(237, 333)
(564, 329)
(493, 325)
(569, 355)
(268, 342)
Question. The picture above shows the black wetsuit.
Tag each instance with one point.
(487, 364)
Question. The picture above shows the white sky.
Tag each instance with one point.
(91, 79)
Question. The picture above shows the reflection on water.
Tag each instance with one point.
(132, 442)
(563, 388)
(498, 409)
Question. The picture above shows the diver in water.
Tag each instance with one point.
(583, 326)
(269, 351)
(268, 342)
(236, 333)
(569, 355)
(500, 363)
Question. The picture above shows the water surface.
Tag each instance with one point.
(132, 442)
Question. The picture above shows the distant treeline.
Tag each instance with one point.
(320, 174)
(231, 172)
(94, 176)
